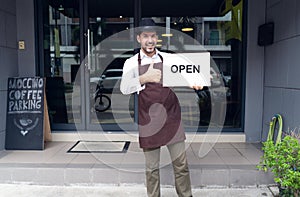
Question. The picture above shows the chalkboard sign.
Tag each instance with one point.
(25, 114)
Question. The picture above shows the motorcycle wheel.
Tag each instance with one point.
(102, 103)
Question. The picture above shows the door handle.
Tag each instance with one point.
(88, 59)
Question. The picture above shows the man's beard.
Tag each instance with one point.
(147, 51)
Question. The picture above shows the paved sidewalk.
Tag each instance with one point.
(227, 170)
(24, 190)
(226, 165)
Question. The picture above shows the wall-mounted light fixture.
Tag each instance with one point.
(265, 34)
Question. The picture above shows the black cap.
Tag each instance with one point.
(146, 24)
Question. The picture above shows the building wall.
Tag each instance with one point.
(254, 72)
(8, 56)
(16, 23)
(282, 65)
(26, 32)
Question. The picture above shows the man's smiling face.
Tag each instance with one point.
(148, 42)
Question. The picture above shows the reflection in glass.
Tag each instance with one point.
(110, 46)
(221, 36)
(62, 59)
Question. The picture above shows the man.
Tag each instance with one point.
(159, 115)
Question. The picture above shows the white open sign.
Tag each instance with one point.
(186, 69)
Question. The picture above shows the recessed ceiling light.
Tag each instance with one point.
(187, 29)
(166, 35)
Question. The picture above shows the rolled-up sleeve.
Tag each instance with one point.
(130, 82)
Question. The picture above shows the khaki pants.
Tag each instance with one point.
(180, 167)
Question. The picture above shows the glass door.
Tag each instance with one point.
(85, 44)
(60, 55)
(110, 41)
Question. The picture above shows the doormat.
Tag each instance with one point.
(99, 147)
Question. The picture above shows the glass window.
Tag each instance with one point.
(213, 26)
(61, 57)
(221, 35)
(111, 43)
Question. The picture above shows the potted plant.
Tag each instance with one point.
(282, 158)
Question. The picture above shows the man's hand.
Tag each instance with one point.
(152, 75)
(197, 87)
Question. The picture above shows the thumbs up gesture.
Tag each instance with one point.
(152, 75)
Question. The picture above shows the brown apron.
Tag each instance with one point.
(159, 113)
